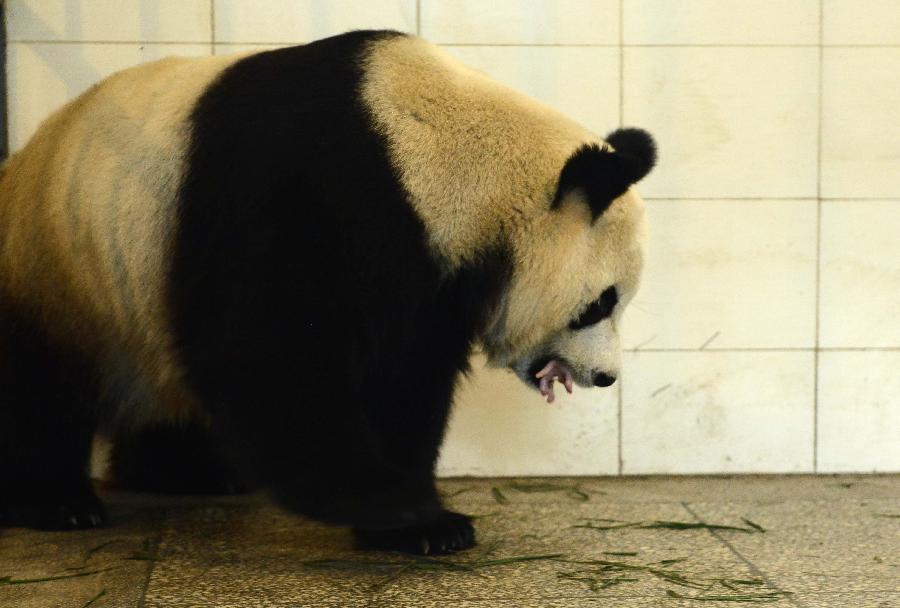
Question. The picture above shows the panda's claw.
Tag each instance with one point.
(448, 533)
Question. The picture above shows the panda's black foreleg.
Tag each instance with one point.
(411, 427)
(46, 431)
(173, 458)
(321, 458)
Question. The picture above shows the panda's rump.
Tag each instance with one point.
(87, 209)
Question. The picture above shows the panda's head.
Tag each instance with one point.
(575, 267)
(501, 181)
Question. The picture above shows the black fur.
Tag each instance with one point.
(172, 458)
(605, 175)
(321, 335)
(639, 146)
(596, 311)
(47, 422)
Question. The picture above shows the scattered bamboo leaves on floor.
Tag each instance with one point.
(458, 492)
(760, 598)
(95, 598)
(620, 553)
(593, 583)
(141, 557)
(753, 525)
(611, 524)
(8, 580)
(888, 515)
(601, 574)
(499, 496)
(92, 551)
(571, 491)
(484, 515)
(420, 563)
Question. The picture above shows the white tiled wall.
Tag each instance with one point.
(724, 411)
(767, 334)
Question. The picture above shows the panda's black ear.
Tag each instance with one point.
(603, 174)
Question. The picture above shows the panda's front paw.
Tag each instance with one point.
(46, 511)
(447, 533)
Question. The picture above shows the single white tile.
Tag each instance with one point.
(253, 21)
(43, 77)
(730, 122)
(859, 411)
(117, 20)
(859, 299)
(861, 22)
(501, 427)
(517, 22)
(580, 82)
(860, 118)
(724, 412)
(720, 22)
(735, 274)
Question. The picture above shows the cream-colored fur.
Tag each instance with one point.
(87, 211)
(481, 163)
(87, 217)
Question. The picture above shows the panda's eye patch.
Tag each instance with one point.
(597, 310)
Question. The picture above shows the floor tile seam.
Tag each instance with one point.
(601, 598)
(151, 564)
(756, 570)
(675, 501)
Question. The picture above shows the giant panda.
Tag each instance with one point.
(271, 269)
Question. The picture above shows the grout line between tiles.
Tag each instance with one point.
(717, 199)
(621, 63)
(763, 349)
(418, 17)
(4, 101)
(154, 550)
(666, 46)
(620, 395)
(619, 399)
(212, 26)
(478, 44)
(791, 598)
(815, 446)
(772, 198)
(113, 42)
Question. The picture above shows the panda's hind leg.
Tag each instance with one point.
(47, 423)
(172, 458)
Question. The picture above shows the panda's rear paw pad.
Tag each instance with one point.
(72, 512)
(448, 533)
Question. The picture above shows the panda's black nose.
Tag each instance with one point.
(602, 379)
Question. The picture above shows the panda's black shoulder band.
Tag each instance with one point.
(603, 174)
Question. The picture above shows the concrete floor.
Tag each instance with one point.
(828, 541)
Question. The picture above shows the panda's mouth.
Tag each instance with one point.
(545, 371)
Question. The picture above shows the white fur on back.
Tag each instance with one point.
(468, 149)
(87, 213)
